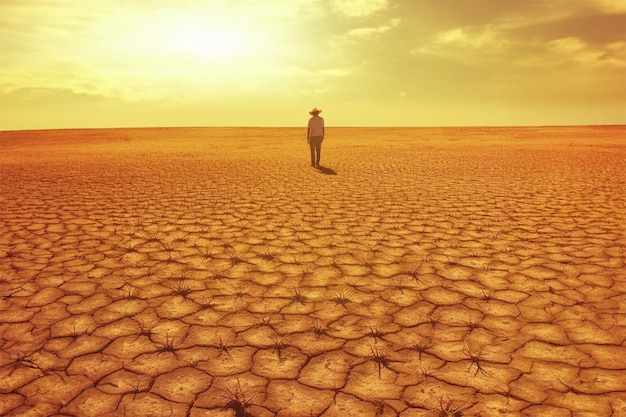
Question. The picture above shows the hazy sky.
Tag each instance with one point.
(118, 63)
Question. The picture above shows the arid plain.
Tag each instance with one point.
(213, 272)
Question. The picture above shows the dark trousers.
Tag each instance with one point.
(315, 143)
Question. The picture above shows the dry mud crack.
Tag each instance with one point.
(212, 272)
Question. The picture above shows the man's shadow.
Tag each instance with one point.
(325, 170)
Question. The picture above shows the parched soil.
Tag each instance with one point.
(213, 272)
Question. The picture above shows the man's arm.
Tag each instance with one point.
(308, 133)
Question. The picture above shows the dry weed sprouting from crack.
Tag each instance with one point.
(265, 321)
(472, 325)
(144, 330)
(278, 342)
(425, 372)
(130, 247)
(182, 287)
(367, 260)
(475, 360)
(240, 293)
(172, 257)
(448, 409)
(375, 332)
(217, 274)
(205, 252)
(380, 357)
(421, 347)
(268, 255)
(341, 298)
(136, 389)
(238, 400)
(154, 237)
(223, 347)
(167, 346)
(179, 238)
(297, 261)
(319, 329)
(233, 256)
(432, 319)
(299, 296)
(168, 246)
(208, 304)
(415, 273)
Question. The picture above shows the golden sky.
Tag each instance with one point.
(117, 63)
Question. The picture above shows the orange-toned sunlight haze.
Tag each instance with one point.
(112, 63)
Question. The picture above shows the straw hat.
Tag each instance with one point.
(315, 111)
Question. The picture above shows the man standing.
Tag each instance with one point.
(315, 136)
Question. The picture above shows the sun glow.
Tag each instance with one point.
(207, 43)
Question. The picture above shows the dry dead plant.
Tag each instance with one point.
(367, 260)
(448, 409)
(233, 257)
(426, 372)
(279, 344)
(218, 275)
(380, 357)
(375, 332)
(239, 400)
(144, 330)
(181, 287)
(421, 347)
(265, 320)
(319, 329)
(205, 252)
(268, 255)
(168, 346)
(475, 360)
(415, 273)
(299, 297)
(341, 298)
(223, 347)
(208, 304)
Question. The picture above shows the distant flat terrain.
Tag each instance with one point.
(213, 272)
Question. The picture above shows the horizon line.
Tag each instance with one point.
(300, 127)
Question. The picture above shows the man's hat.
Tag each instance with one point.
(315, 111)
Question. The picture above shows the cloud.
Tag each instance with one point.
(609, 6)
(56, 96)
(574, 53)
(594, 28)
(574, 40)
(466, 43)
(358, 8)
(460, 37)
(368, 32)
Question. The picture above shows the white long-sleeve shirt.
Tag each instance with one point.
(316, 126)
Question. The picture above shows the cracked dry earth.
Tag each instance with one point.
(212, 272)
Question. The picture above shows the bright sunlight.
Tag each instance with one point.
(207, 43)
